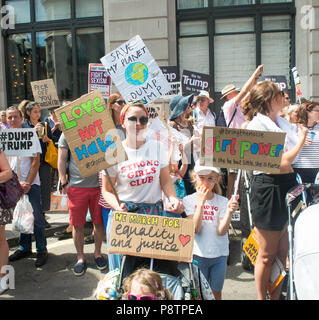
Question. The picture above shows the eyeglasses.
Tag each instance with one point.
(120, 102)
(201, 99)
(146, 297)
(143, 120)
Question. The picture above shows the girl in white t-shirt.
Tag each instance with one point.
(140, 180)
(211, 214)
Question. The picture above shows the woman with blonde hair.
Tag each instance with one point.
(268, 191)
(114, 104)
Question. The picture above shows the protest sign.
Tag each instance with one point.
(20, 142)
(172, 75)
(90, 133)
(280, 81)
(98, 79)
(297, 81)
(135, 72)
(242, 149)
(152, 236)
(44, 93)
(194, 82)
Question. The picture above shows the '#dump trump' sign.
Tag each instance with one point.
(135, 72)
(152, 236)
(242, 149)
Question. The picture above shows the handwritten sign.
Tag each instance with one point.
(44, 93)
(152, 236)
(98, 79)
(242, 149)
(194, 82)
(90, 133)
(135, 72)
(20, 142)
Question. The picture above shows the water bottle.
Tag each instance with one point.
(311, 135)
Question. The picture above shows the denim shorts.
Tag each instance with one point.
(214, 270)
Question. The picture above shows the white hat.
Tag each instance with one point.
(205, 94)
(204, 170)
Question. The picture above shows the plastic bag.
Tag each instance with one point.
(23, 219)
(59, 201)
(108, 286)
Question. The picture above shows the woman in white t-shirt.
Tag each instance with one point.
(140, 180)
(211, 214)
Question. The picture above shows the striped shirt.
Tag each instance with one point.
(102, 202)
(308, 156)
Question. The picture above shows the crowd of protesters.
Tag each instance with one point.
(172, 183)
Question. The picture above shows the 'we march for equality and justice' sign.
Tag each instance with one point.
(22, 142)
(135, 72)
(90, 133)
(242, 149)
(152, 236)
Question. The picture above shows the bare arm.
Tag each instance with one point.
(5, 170)
(34, 169)
(224, 223)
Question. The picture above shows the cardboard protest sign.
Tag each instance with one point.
(135, 72)
(20, 142)
(280, 81)
(98, 79)
(242, 149)
(194, 82)
(152, 236)
(90, 133)
(44, 93)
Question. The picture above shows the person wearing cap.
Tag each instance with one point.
(211, 214)
(180, 122)
(202, 114)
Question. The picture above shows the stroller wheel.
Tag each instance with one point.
(245, 262)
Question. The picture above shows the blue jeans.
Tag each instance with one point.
(39, 224)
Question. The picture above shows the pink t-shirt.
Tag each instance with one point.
(229, 108)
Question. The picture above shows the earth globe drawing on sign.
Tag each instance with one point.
(136, 73)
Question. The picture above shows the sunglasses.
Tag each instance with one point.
(201, 99)
(143, 120)
(146, 297)
(120, 102)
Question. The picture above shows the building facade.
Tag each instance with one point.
(226, 39)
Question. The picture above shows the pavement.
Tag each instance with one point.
(58, 220)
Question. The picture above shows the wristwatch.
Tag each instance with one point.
(64, 185)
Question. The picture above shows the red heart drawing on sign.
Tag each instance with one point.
(184, 239)
(77, 111)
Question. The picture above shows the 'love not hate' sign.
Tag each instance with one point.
(152, 236)
(242, 149)
(135, 72)
(90, 133)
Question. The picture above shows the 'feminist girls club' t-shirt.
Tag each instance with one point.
(138, 178)
(208, 243)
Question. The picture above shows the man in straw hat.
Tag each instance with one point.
(202, 114)
(233, 114)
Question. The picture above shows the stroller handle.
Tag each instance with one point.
(294, 192)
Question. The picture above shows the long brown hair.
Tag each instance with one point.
(111, 100)
(259, 99)
(303, 110)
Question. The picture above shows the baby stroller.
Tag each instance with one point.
(184, 280)
(303, 281)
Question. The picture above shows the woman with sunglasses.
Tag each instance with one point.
(145, 284)
(114, 104)
(268, 191)
(140, 180)
(307, 163)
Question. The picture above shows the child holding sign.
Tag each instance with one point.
(212, 214)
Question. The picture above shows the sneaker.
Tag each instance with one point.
(61, 235)
(79, 268)
(19, 254)
(101, 263)
(42, 258)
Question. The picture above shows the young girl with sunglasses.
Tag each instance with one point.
(145, 284)
(140, 180)
(211, 214)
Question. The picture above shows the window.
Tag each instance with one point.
(53, 39)
(230, 44)
(191, 4)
